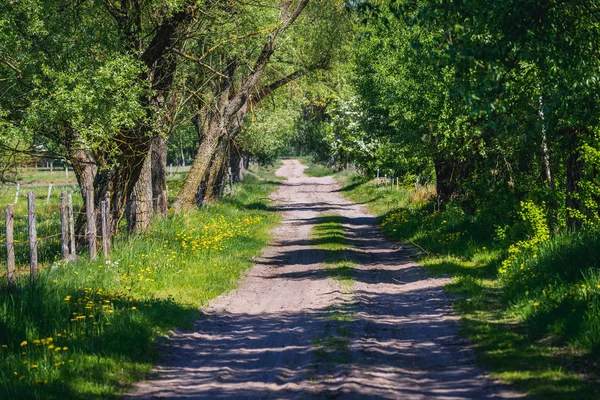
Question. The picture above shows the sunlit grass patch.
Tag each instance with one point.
(328, 233)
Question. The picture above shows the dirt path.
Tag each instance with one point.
(274, 337)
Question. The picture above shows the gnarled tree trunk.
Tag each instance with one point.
(159, 174)
(141, 204)
(214, 184)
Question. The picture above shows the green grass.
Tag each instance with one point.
(316, 169)
(537, 328)
(328, 236)
(105, 316)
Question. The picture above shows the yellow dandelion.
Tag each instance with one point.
(24, 343)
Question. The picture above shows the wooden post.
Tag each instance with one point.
(165, 203)
(105, 233)
(91, 222)
(51, 166)
(33, 259)
(17, 193)
(10, 244)
(66, 172)
(49, 192)
(72, 224)
(377, 175)
(64, 226)
(171, 169)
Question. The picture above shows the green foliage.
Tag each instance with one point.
(536, 228)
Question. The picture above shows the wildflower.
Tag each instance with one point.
(50, 347)
(24, 343)
(536, 304)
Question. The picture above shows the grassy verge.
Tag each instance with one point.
(315, 169)
(88, 329)
(537, 326)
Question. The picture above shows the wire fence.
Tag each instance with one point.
(29, 238)
(58, 236)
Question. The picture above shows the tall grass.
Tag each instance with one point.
(537, 325)
(88, 329)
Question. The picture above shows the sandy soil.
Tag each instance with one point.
(275, 338)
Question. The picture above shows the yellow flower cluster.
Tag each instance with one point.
(213, 235)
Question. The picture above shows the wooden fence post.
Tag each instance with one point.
(17, 193)
(91, 222)
(33, 256)
(49, 192)
(10, 244)
(64, 226)
(105, 225)
(72, 224)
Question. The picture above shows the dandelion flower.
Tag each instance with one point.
(24, 343)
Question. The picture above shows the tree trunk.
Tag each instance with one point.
(186, 199)
(245, 161)
(159, 174)
(445, 182)
(214, 185)
(546, 170)
(140, 209)
(83, 166)
(574, 174)
(236, 164)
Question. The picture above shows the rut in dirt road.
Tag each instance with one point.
(291, 331)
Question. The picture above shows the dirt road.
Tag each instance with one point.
(291, 331)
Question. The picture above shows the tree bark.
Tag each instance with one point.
(140, 209)
(574, 174)
(214, 184)
(236, 164)
(187, 197)
(445, 182)
(159, 174)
